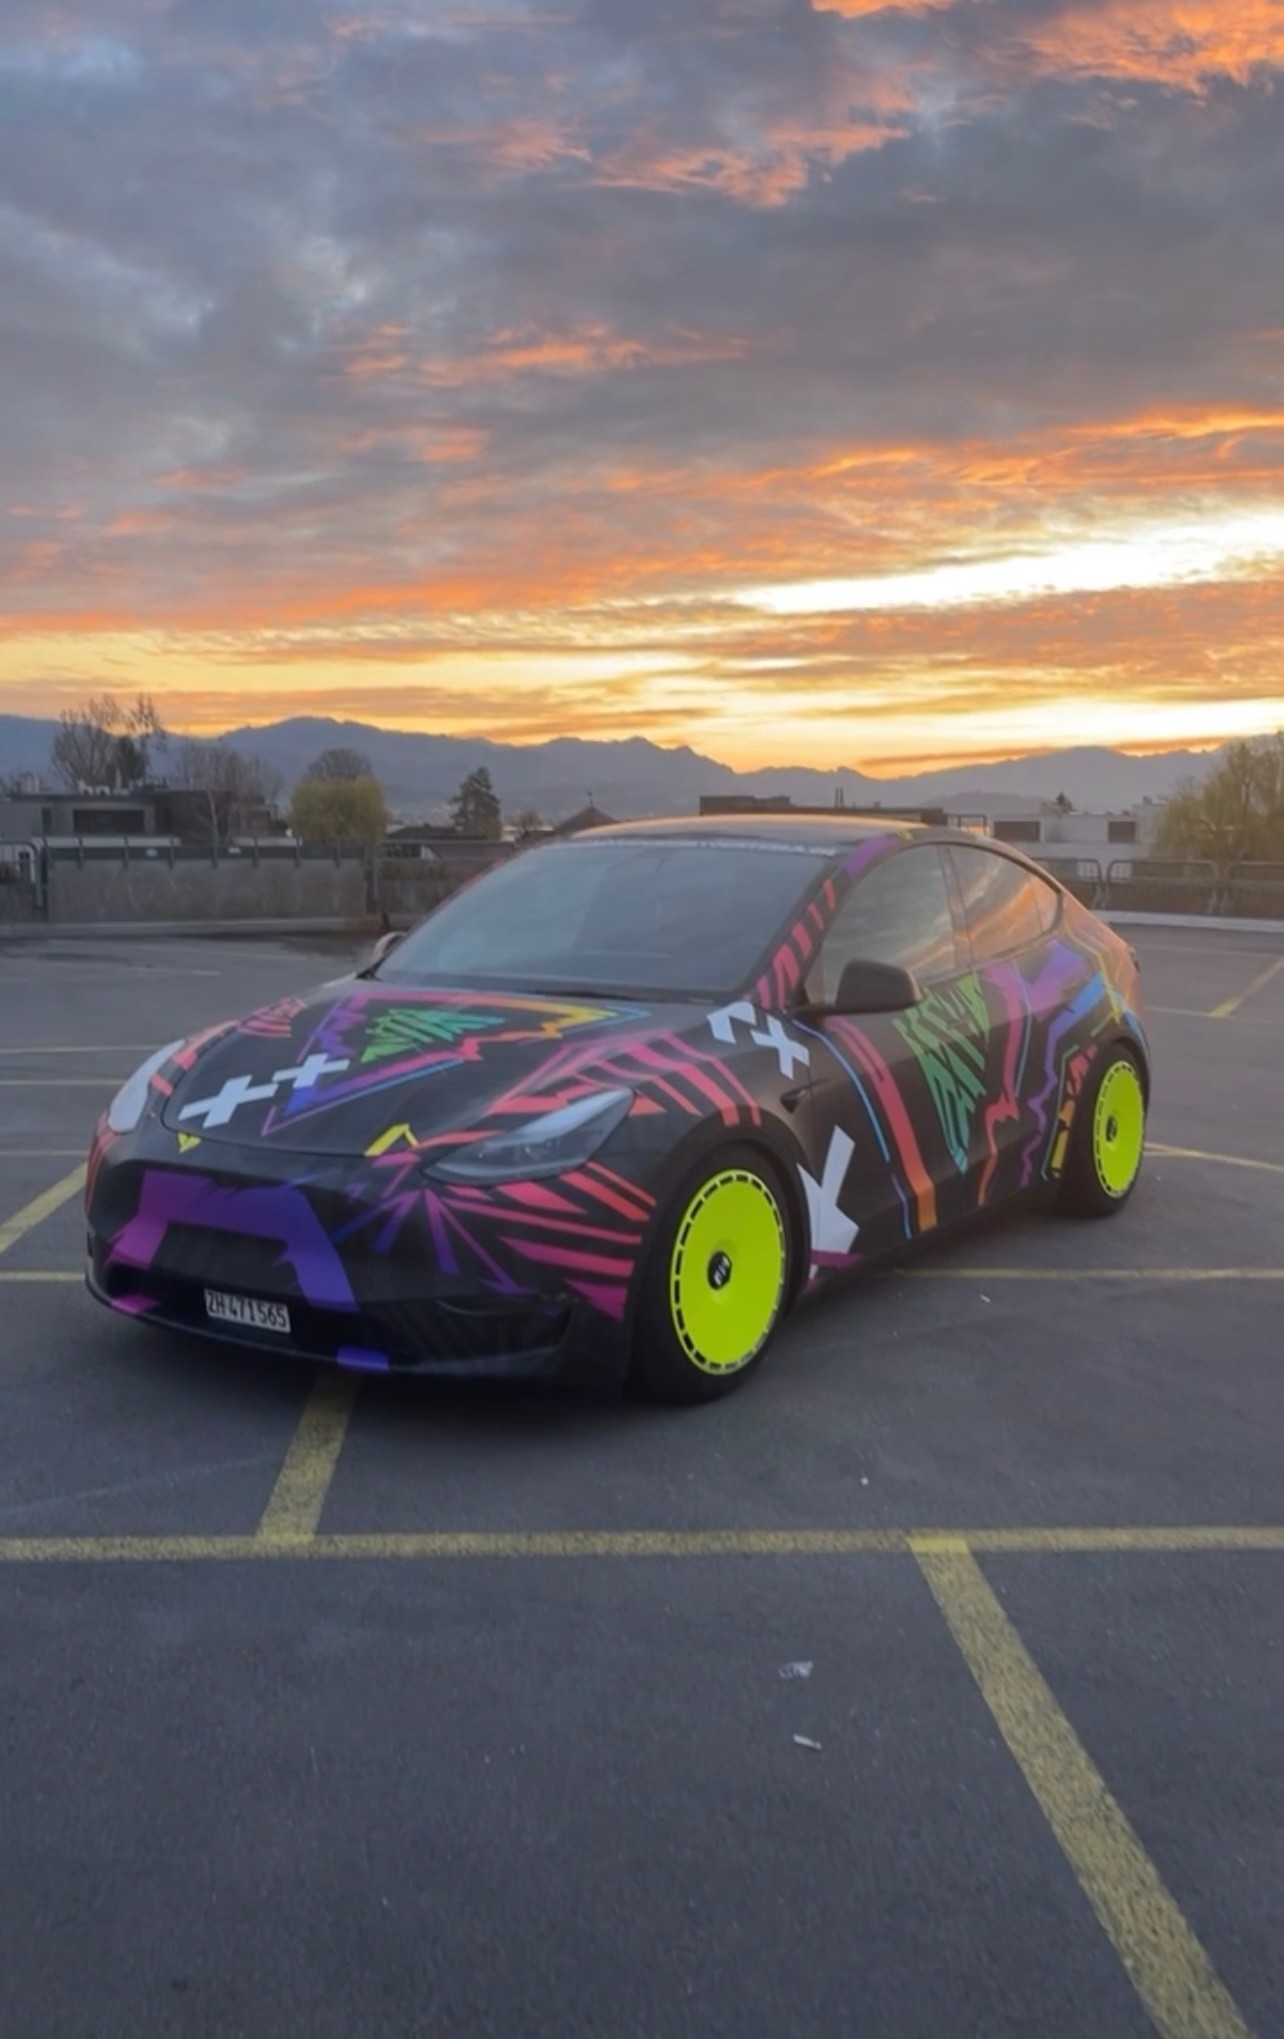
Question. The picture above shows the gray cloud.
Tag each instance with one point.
(319, 294)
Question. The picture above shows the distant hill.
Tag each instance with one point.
(635, 777)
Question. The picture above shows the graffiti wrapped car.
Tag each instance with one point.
(612, 1109)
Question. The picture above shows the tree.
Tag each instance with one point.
(1064, 804)
(1236, 814)
(475, 809)
(339, 810)
(230, 781)
(340, 764)
(104, 745)
(527, 824)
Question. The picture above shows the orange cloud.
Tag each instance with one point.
(1177, 42)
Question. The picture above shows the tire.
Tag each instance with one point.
(716, 1281)
(1107, 1139)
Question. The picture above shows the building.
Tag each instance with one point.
(586, 818)
(426, 842)
(1062, 836)
(26, 817)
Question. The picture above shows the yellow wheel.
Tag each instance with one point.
(717, 1283)
(1108, 1139)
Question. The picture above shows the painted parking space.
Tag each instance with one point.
(1184, 1725)
(456, 1633)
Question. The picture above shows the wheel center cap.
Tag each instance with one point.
(719, 1270)
(1112, 1129)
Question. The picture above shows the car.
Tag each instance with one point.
(614, 1106)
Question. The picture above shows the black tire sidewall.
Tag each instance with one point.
(1082, 1193)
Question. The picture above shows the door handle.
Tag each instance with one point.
(791, 1099)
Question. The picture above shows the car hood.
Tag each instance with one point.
(360, 1066)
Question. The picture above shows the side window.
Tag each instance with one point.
(1007, 908)
(899, 912)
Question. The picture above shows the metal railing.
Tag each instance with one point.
(1194, 885)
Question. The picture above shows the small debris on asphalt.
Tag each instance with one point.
(803, 1670)
(805, 1742)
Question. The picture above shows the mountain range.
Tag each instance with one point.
(634, 777)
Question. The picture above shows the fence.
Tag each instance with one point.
(1162, 885)
(145, 879)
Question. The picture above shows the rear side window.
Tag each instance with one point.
(1007, 907)
(899, 912)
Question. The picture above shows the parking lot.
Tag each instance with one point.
(405, 1709)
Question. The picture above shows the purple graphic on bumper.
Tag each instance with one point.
(277, 1212)
(363, 1359)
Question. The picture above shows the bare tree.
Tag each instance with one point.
(340, 764)
(104, 745)
(528, 825)
(229, 780)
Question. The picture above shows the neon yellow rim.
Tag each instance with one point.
(727, 1271)
(1119, 1128)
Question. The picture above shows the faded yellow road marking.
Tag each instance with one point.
(294, 1507)
(15, 1275)
(1199, 1154)
(1169, 1969)
(1229, 1006)
(430, 1545)
(1093, 1273)
(41, 1207)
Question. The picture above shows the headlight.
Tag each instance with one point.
(130, 1102)
(548, 1145)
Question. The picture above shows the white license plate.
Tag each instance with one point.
(247, 1310)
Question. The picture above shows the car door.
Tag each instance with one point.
(891, 1093)
(1028, 978)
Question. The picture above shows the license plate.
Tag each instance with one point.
(254, 1314)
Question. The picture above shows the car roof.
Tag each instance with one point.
(823, 831)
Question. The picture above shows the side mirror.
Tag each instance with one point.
(384, 947)
(875, 987)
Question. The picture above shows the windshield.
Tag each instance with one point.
(626, 915)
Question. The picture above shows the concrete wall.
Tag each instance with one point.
(406, 890)
(234, 889)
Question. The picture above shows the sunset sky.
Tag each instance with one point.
(810, 381)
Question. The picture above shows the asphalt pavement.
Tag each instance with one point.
(410, 1709)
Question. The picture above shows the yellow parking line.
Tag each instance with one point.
(294, 1507)
(433, 1545)
(1229, 1006)
(1093, 1273)
(16, 1275)
(1067, 1541)
(41, 1207)
(1169, 1969)
(1226, 1160)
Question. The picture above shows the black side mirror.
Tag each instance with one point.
(875, 987)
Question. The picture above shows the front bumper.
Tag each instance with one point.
(370, 1283)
